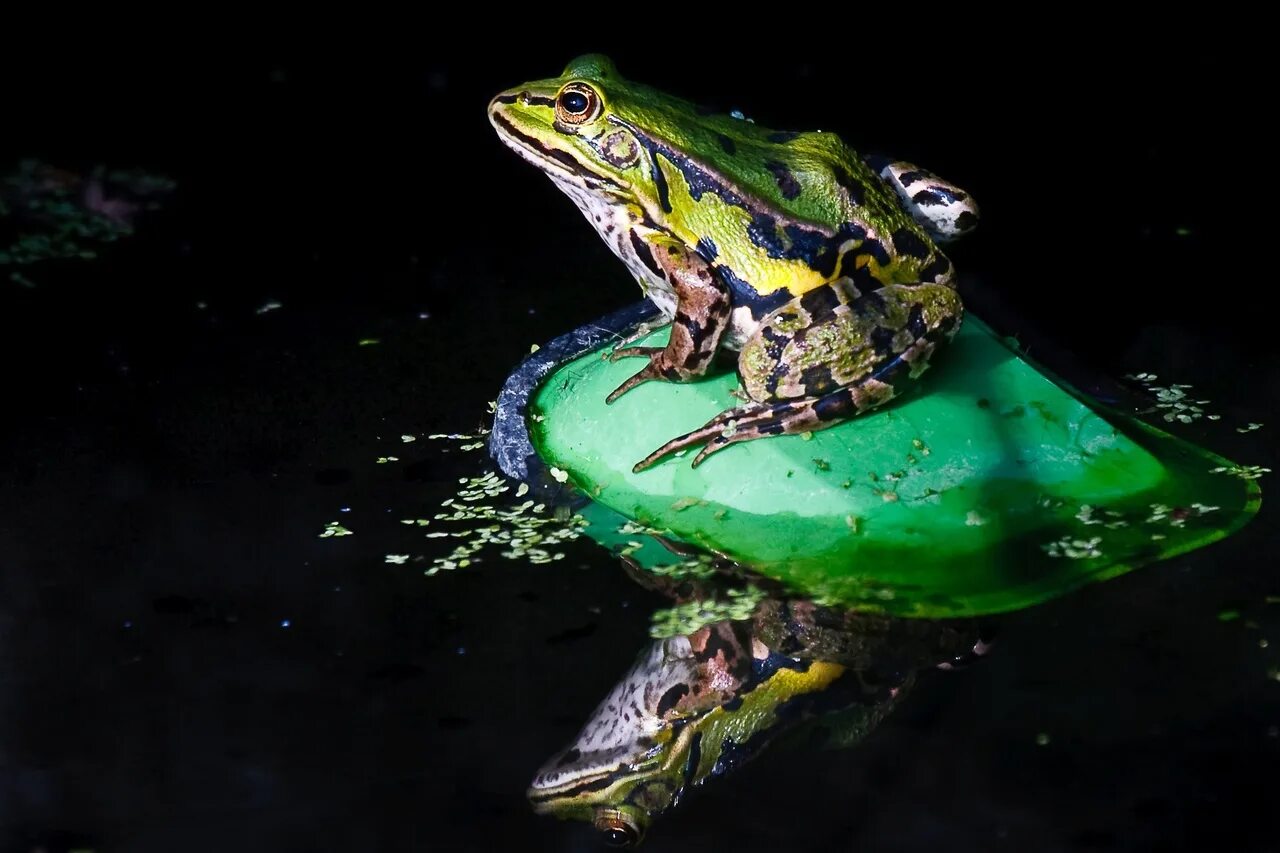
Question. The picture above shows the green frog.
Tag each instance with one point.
(698, 706)
(820, 267)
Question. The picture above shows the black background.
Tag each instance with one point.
(169, 466)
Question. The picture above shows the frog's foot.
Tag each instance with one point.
(660, 366)
(760, 420)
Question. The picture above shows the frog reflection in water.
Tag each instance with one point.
(696, 706)
(819, 266)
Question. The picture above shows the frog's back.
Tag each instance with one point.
(810, 177)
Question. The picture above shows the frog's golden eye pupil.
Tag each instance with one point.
(577, 103)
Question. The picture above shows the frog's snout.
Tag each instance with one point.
(501, 102)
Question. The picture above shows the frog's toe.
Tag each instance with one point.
(650, 371)
(713, 428)
(632, 352)
(761, 426)
(720, 442)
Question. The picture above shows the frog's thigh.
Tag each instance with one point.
(824, 341)
(945, 210)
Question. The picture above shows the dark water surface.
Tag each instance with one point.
(186, 665)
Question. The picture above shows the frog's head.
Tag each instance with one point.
(628, 761)
(580, 129)
(690, 708)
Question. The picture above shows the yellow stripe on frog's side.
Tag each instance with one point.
(692, 220)
(757, 713)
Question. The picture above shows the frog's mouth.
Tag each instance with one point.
(589, 778)
(558, 163)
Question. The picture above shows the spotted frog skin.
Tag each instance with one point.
(820, 267)
(695, 707)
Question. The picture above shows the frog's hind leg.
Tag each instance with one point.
(895, 331)
(758, 420)
(942, 208)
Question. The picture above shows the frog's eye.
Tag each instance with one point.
(616, 830)
(577, 103)
(618, 838)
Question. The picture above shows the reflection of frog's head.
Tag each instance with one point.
(690, 708)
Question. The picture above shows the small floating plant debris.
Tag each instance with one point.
(686, 618)
(1173, 400)
(476, 515)
(335, 528)
(1244, 472)
(469, 441)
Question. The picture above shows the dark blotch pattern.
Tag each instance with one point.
(745, 295)
(645, 256)
(774, 342)
(817, 380)
(854, 189)
(819, 302)
(781, 137)
(787, 182)
(708, 250)
(834, 406)
(882, 340)
(909, 178)
(908, 243)
(915, 321)
(966, 220)
(937, 270)
(696, 330)
(727, 144)
(927, 198)
(671, 697)
(861, 277)
(869, 304)
(794, 243)
(695, 758)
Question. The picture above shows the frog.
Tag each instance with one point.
(821, 268)
(695, 707)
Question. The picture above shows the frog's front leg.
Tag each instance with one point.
(700, 321)
(824, 358)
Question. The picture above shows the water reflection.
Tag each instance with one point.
(1001, 489)
(697, 705)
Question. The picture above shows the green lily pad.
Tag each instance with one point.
(995, 487)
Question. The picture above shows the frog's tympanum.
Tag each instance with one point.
(694, 707)
(819, 266)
